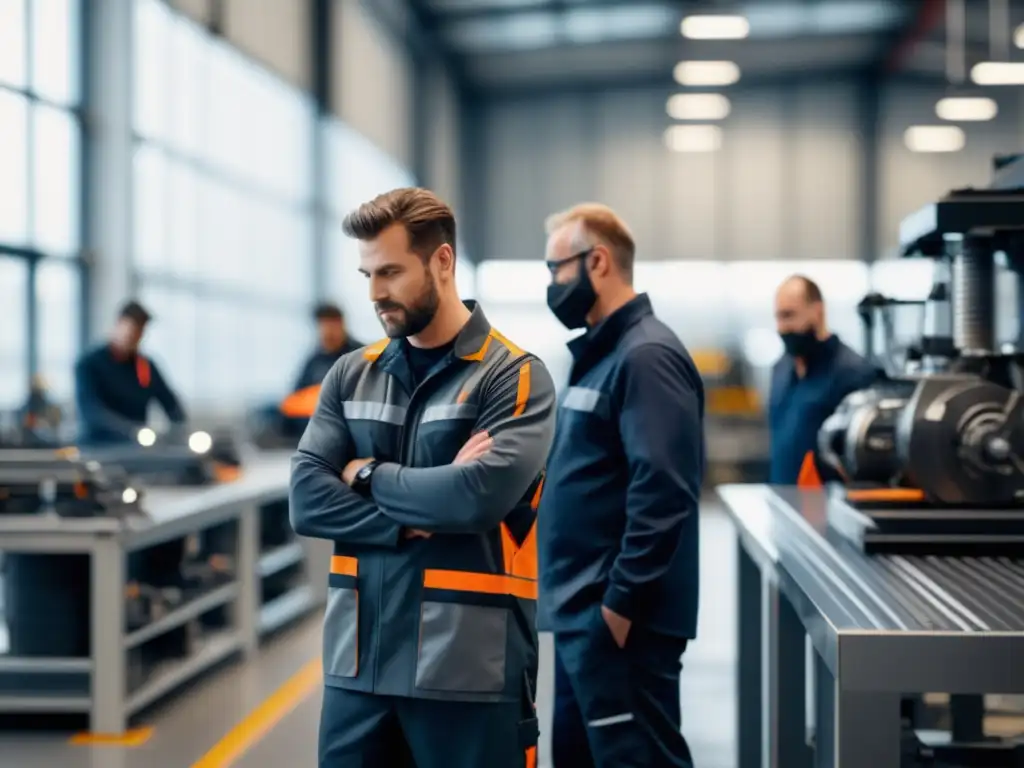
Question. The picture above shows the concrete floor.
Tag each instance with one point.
(194, 720)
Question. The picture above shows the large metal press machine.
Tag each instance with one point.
(902, 576)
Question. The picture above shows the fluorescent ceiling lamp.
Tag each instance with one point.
(998, 73)
(934, 138)
(966, 108)
(715, 27)
(1018, 36)
(693, 138)
(706, 73)
(697, 106)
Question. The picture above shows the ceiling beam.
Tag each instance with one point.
(930, 15)
(663, 81)
(484, 13)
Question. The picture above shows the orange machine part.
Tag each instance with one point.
(301, 404)
(808, 477)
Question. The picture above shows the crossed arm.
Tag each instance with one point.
(471, 495)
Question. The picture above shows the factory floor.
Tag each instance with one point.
(264, 713)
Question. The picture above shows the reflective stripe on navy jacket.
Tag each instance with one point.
(618, 520)
(452, 616)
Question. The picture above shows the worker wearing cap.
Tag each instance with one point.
(114, 384)
(422, 464)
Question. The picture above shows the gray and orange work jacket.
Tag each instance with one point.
(451, 616)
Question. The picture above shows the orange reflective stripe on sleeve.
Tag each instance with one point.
(301, 404)
(142, 371)
(531, 757)
(486, 583)
(523, 392)
(344, 566)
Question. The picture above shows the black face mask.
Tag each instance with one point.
(571, 302)
(802, 344)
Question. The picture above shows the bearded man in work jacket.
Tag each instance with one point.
(423, 464)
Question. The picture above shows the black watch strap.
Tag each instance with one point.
(361, 484)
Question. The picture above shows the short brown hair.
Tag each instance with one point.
(812, 291)
(429, 221)
(602, 222)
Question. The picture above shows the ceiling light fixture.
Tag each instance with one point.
(693, 138)
(707, 27)
(697, 106)
(1018, 36)
(934, 138)
(706, 73)
(998, 73)
(966, 108)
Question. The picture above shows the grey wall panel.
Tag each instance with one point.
(372, 81)
(512, 209)
(755, 177)
(443, 137)
(628, 159)
(690, 204)
(825, 152)
(784, 185)
(909, 180)
(274, 32)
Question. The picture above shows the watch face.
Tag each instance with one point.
(364, 472)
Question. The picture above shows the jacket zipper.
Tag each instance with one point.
(404, 450)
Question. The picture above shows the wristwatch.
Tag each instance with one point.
(361, 482)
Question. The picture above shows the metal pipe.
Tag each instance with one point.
(973, 296)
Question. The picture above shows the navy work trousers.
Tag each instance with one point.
(618, 707)
(362, 730)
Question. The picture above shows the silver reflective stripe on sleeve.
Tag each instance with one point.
(450, 412)
(366, 410)
(581, 399)
(613, 720)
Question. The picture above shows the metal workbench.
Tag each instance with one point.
(99, 684)
(881, 627)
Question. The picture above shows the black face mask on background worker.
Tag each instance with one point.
(802, 344)
(571, 301)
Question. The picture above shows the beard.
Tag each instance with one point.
(412, 318)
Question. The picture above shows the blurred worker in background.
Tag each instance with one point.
(334, 342)
(422, 463)
(290, 417)
(618, 520)
(114, 384)
(808, 382)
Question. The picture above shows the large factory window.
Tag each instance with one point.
(224, 216)
(40, 211)
(58, 297)
(13, 333)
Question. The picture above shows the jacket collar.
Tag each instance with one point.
(604, 336)
(470, 342)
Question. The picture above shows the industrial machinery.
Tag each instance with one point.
(177, 457)
(935, 451)
(41, 480)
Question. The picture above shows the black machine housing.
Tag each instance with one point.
(938, 443)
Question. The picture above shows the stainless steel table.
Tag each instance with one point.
(169, 514)
(881, 627)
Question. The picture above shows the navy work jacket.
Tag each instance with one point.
(799, 406)
(617, 523)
